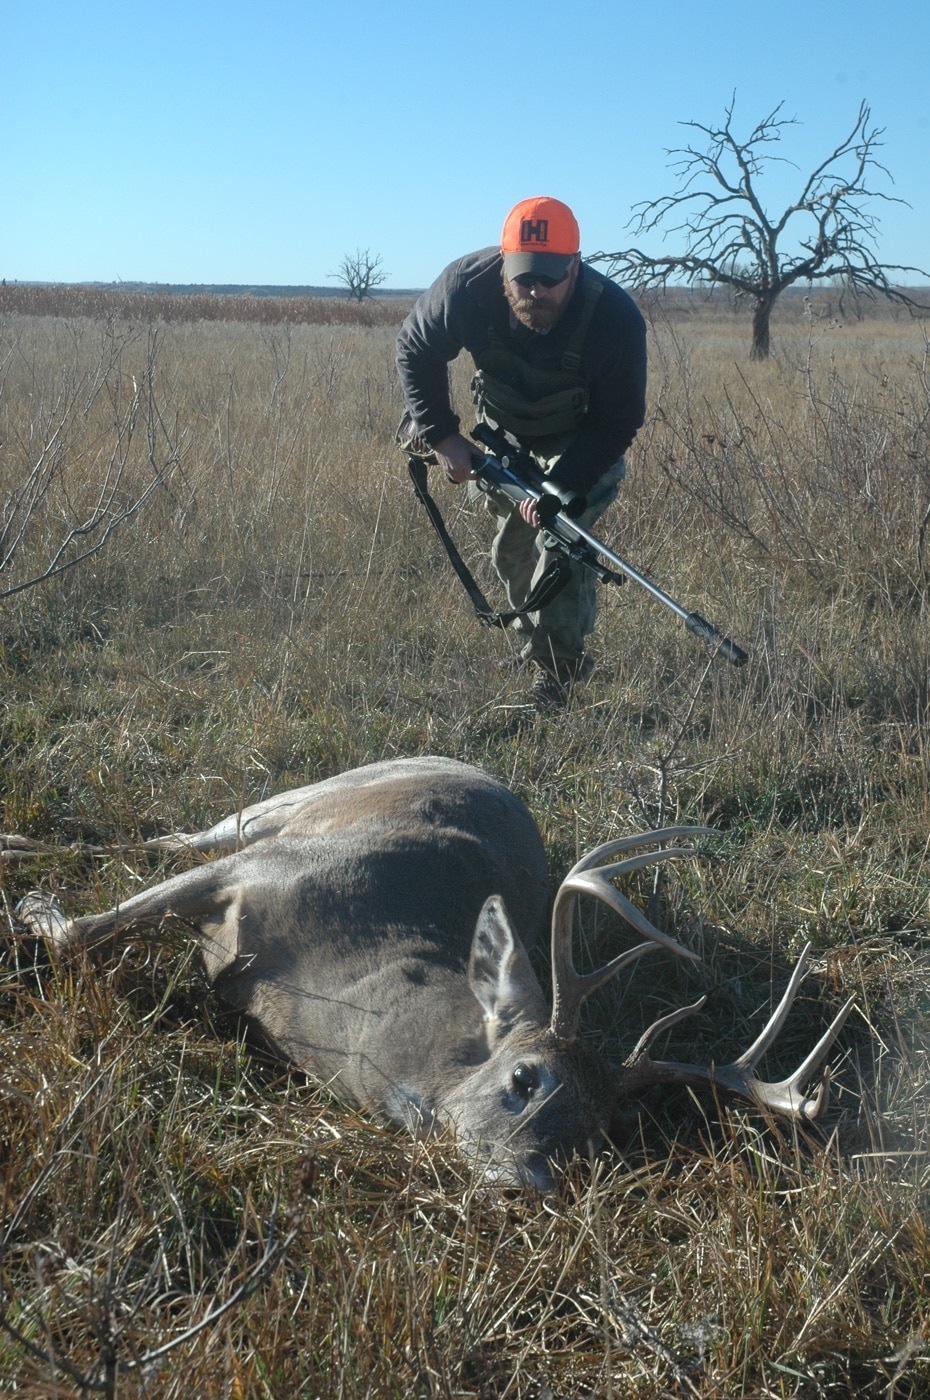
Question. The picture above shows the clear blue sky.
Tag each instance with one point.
(258, 143)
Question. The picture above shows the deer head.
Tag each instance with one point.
(555, 1095)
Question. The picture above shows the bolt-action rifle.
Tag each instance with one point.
(515, 475)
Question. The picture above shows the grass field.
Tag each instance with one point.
(265, 605)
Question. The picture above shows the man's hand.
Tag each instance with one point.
(454, 454)
(529, 512)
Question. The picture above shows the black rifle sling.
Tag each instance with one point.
(554, 578)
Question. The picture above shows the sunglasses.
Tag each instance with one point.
(526, 280)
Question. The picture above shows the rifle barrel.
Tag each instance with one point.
(631, 572)
(569, 533)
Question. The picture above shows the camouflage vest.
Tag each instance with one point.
(529, 402)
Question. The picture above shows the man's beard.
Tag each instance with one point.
(529, 312)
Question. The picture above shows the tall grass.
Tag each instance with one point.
(182, 1218)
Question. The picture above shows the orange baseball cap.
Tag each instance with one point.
(539, 235)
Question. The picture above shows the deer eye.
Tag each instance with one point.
(525, 1081)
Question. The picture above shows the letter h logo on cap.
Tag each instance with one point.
(534, 231)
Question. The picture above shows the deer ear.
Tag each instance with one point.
(499, 970)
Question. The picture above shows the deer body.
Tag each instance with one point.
(344, 926)
(376, 927)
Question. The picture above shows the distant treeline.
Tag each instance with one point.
(319, 306)
(241, 289)
(798, 303)
(264, 304)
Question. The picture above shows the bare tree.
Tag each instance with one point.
(730, 240)
(360, 273)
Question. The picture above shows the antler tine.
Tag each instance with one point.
(570, 989)
(597, 883)
(772, 1028)
(643, 838)
(785, 1097)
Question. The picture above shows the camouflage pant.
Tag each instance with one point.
(558, 631)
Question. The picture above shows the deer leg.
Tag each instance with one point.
(201, 895)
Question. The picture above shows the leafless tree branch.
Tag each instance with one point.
(731, 241)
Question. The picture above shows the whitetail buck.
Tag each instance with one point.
(376, 926)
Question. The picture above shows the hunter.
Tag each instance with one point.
(560, 365)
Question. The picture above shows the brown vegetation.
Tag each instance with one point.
(91, 300)
(179, 1218)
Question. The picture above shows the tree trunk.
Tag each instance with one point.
(760, 327)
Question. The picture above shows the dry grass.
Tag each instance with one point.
(160, 304)
(180, 1218)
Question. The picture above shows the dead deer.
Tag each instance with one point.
(376, 927)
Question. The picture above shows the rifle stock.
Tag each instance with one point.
(516, 477)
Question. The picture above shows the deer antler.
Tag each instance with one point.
(570, 989)
(786, 1097)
